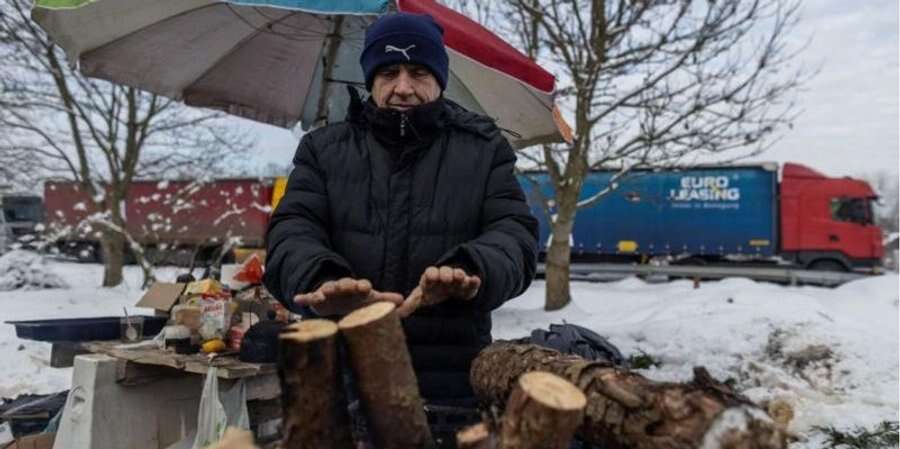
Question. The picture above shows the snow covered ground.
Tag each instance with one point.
(830, 353)
(26, 364)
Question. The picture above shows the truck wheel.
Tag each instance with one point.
(827, 265)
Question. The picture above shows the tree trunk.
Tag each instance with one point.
(385, 380)
(312, 389)
(140, 257)
(559, 255)
(113, 246)
(626, 410)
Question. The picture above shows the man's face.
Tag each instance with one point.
(403, 86)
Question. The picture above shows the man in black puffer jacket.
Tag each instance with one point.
(411, 200)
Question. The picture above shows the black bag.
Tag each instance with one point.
(260, 343)
(577, 340)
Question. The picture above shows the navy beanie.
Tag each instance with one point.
(404, 37)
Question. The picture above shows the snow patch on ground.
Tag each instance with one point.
(832, 354)
(28, 271)
(26, 364)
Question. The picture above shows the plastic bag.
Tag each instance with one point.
(251, 272)
(220, 409)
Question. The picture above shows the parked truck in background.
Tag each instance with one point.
(20, 213)
(757, 213)
(175, 221)
(723, 214)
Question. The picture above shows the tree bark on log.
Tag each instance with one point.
(314, 405)
(385, 380)
(627, 410)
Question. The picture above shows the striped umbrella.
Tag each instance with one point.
(285, 61)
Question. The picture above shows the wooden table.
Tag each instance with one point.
(228, 364)
(142, 366)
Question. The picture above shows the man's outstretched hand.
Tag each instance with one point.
(437, 285)
(344, 296)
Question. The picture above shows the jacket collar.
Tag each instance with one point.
(418, 126)
(427, 120)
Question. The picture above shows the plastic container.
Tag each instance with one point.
(131, 328)
(188, 315)
(81, 329)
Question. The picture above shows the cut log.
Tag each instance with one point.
(314, 405)
(235, 438)
(627, 410)
(543, 412)
(385, 380)
(478, 436)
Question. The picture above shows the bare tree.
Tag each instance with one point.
(17, 168)
(57, 123)
(650, 83)
(274, 170)
(887, 212)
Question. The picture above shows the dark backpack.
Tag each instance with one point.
(577, 340)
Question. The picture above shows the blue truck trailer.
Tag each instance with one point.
(792, 215)
(703, 211)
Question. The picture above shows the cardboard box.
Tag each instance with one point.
(39, 441)
(161, 296)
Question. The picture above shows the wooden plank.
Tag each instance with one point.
(131, 373)
(199, 367)
(145, 356)
(227, 370)
(229, 366)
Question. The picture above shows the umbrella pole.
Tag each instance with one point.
(331, 47)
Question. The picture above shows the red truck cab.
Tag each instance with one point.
(828, 223)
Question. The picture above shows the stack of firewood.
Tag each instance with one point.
(627, 410)
(546, 397)
(543, 409)
(315, 410)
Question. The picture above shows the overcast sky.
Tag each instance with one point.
(848, 123)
